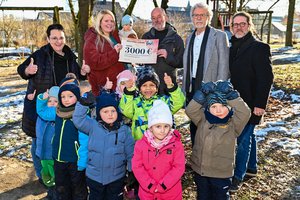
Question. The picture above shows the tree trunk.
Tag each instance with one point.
(164, 4)
(83, 17)
(289, 28)
(130, 7)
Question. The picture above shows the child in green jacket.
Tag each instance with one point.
(136, 108)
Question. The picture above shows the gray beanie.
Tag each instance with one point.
(127, 19)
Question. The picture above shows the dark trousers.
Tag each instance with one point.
(193, 127)
(69, 182)
(212, 188)
(111, 191)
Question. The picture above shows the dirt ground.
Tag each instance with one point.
(18, 181)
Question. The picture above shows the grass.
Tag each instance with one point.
(286, 77)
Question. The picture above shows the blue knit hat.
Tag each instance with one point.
(104, 100)
(70, 78)
(215, 97)
(72, 87)
(145, 74)
(53, 92)
(127, 19)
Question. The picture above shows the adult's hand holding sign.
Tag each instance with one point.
(139, 51)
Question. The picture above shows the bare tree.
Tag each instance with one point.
(10, 26)
(289, 28)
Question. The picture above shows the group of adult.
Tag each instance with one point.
(206, 57)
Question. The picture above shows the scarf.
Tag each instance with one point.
(65, 112)
(158, 145)
(216, 120)
(237, 43)
(199, 73)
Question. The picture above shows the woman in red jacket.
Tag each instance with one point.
(101, 51)
(158, 161)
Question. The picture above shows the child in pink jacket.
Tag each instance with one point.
(158, 162)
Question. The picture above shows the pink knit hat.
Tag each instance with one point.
(124, 76)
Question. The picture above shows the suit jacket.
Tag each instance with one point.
(251, 74)
(216, 61)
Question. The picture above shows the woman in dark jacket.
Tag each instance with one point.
(45, 68)
(251, 74)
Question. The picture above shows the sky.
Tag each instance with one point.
(143, 7)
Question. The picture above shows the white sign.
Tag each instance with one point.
(139, 51)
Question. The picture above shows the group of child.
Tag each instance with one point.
(88, 149)
(83, 142)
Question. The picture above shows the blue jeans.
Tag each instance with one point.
(36, 160)
(209, 188)
(246, 156)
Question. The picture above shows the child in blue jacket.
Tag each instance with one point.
(110, 146)
(69, 182)
(45, 127)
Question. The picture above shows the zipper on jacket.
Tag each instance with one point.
(116, 140)
(60, 139)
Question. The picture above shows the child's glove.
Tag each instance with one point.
(232, 95)
(199, 97)
(208, 87)
(88, 99)
(224, 87)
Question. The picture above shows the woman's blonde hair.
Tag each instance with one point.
(97, 19)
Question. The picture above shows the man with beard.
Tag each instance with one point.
(206, 56)
(170, 47)
(252, 76)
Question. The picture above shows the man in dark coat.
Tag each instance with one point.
(251, 74)
(170, 47)
(45, 68)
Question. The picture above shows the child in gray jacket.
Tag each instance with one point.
(110, 146)
(220, 115)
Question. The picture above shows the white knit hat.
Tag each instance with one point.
(159, 113)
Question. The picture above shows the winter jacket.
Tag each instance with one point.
(65, 140)
(137, 108)
(159, 169)
(214, 149)
(42, 80)
(174, 46)
(216, 64)
(102, 61)
(110, 152)
(251, 74)
(45, 128)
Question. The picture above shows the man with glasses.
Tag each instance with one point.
(170, 47)
(45, 68)
(206, 56)
(251, 75)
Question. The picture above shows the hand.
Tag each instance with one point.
(88, 99)
(200, 97)
(108, 85)
(46, 94)
(31, 96)
(85, 69)
(258, 111)
(162, 53)
(31, 69)
(224, 87)
(118, 47)
(129, 84)
(232, 95)
(208, 87)
(168, 80)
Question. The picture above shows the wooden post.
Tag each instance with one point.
(56, 19)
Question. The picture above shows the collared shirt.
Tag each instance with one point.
(196, 52)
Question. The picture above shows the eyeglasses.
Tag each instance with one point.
(56, 38)
(199, 15)
(242, 24)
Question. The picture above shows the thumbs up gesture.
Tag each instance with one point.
(168, 81)
(85, 69)
(31, 69)
(46, 94)
(108, 85)
(31, 96)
